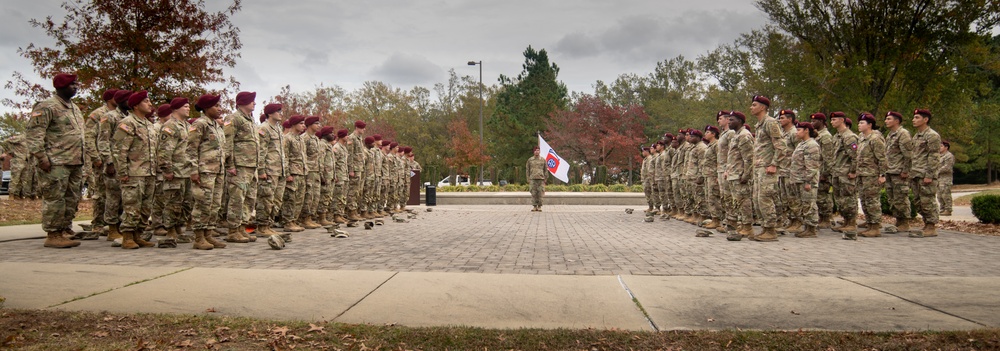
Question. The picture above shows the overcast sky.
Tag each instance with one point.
(404, 43)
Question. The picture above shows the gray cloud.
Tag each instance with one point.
(408, 69)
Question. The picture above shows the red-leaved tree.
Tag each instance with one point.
(593, 133)
(465, 146)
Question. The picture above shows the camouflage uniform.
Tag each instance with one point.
(769, 150)
(326, 175)
(172, 158)
(242, 154)
(135, 157)
(295, 190)
(205, 146)
(899, 155)
(646, 174)
(805, 168)
(372, 183)
(340, 176)
(356, 164)
(535, 170)
(156, 200)
(945, 179)
(739, 170)
(871, 164)
(695, 184)
(662, 179)
(55, 133)
(844, 163)
(22, 169)
(709, 166)
(677, 178)
(95, 180)
(313, 180)
(386, 181)
(105, 146)
(789, 198)
(271, 190)
(926, 164)
(824, 200)
(369, 181)
(725, 197)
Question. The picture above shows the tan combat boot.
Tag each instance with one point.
(902, 224)
(137, 238)
(713, 224)
(808, 232)
(768, 234)
(292, 227)
(234, 236)
(795, 226)
(265, 230)
(212, 240)
(160, 231)
(172, 233)
(930, 230)
(308, 223)
(113, 232)
(745, 230)
(128, 241)
(199, 241)
(58, 241)
(824, 222)
(874, 230)
(850, 225)
(323, 221)
(339, 218)
(353, 215)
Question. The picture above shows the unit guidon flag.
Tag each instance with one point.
(555, 164)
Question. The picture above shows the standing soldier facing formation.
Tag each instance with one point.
(769, 151)
(205, 146)
(924, 172)
(242, 161)
(135, 162)
(274, 174)
(871, 174)
(844, 172)
(535, 172)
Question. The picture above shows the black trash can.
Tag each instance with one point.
(430, 196)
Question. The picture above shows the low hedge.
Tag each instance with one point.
(578, 188)
(986, 208)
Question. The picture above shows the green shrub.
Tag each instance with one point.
(492, 188)
(637, 189)
(515, 187)
(601, 175)
(986, 208)
(577, 188)
(598, 188)
(887, 210)
(449, 189)
(556, 188)
(618, 188)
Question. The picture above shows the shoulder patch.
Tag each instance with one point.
(854, 146)
(167, 130)
(261, 131)
(227, 122)
(192, 128)
(36, 113)
(125, 127)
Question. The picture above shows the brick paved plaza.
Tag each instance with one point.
(565, 240)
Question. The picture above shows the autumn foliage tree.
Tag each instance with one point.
(594, 133)
(465, 146)
(168, 47)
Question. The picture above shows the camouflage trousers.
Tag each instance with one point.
(310, 205)
(292, 203)
(808, 210)
(404, 191)
(663, 194)
(871, 199)
(137, 201)
(925, 198)
(897, 192)
(824, 200)
(355, 186)
(677, 193)
(61, 187)
(112, 200)
(791, 203)
(339, 205)
(156, 204)
(384, 194)
(765, 195)
(537, 190)
(325, 195)
(173, 192)
(238, 189)
(712, 209)
(22, 178)
(724, 200)
(696, 196)
(741, 208)
(207, 196)
(647, 188)
(944, 193)
(846, 196)
(269, 196)
(97, 194)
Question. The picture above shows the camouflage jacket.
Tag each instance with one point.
(692, 169)
(326, 171)
(376, 157)
(205, 140)
(55, 132)
(805, 163)
(677, 161)
(846, 146)
(871, 155)
(241, 141)
(926, 158)
(105, 129)
(898, 151)
(790, 141)
(295, 152)
(769, 148)
(272, 146)
(91, 128)
(947, 168)
(313, 151)
(386, 168)
(172, 154)
(739, 161)
(16, 146)
(656, 162)
(828, 149)
(356, 162)
(644, 171)
(135, 146)
(709, 164)
(723, 150)
(340, 158)
(535, 168)
(369, 164)
(663, 168)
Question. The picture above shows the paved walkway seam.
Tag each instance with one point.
(120, 287)
(637, 304)
(365, 297)
(917, 303)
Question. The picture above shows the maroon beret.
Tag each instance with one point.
(395, 144)
(922, 112)
(245, 97)
(206, 102)
(121, 96)
(713, 129)
(898, 115)
(818, 115)
(658, 142)
(136, 98)
(342, 133)
(369, 141)
(109, 94)
(296, 119)
(848, 122)
(407, 150)
(739, 115)
(645, 148)
(63, 80)
(377, 137)
(697, 133)
(191, 120)
(325, 131)
(867, 117)
(762, 99)
(805, 125)
(946, 143)
(359, 124)
(682, 131)
(164, 110)
(837, 114)
(178, 102)
(668, 136)
(722, 113)
(787, 112)
(285, 124)
(271, 108)
(311, 120)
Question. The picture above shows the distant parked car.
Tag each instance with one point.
(5, 185)
(462, 180)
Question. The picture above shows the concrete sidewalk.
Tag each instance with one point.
(514, 301)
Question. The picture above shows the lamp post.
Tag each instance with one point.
(480, 64)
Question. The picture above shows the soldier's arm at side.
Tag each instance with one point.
(777, 143)
(934, 161)
(35, 133)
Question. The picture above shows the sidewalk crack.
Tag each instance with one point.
(78, 298)
(917, 303)
(637, 304)
(364, 297)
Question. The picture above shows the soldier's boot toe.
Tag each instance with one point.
(795, 226)
(140, 241)
(808, 232)
(323, 220)
(902, 224)
(297, 227)
(128, 240)
(824, 222)
(58, 241)
(353, 216)
(199, 241)
(768, 234)
(234, 236)
(213, 241)
(712, 224)
(114, 232)
(874, 230)
(160, 231)
(172, 233)
(339, 219)
(930, 230)
(308, 223)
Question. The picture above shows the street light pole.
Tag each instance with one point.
(481, 147)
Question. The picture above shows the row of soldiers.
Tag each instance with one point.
(789, 175)
(24, 179)
(156, 169)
